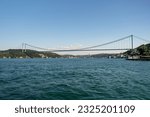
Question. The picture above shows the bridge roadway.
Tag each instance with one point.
(88, 50)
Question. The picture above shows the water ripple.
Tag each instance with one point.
(74, 79)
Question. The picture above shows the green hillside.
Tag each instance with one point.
(17, 53)
(143, 50)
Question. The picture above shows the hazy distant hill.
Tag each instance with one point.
(17, 53)
(103, 55)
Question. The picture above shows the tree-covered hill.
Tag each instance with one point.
(17, 53)
(143, 50)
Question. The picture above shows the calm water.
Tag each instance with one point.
(74, 79)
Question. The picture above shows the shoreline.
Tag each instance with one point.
(138, 58)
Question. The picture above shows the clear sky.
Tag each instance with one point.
(71, 23)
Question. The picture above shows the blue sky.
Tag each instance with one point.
(62, 23)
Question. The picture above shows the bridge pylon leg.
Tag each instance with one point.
(22, 47)
(132, 46)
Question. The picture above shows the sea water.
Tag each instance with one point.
(76, 78)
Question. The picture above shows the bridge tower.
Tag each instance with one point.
(23, 47)
(132, 46)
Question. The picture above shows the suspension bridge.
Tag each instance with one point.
(122, 44)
